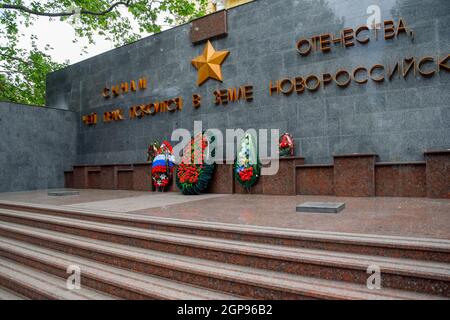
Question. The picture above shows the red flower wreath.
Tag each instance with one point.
(193, 175)
(246, 174)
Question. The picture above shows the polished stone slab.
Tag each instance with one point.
(146, 201)
(62, 193)
(321, 207)
(388, 216)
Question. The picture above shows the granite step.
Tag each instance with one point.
(38, 285)
(112, 281)
(387, 246)
(6, 294)
(405, 274)
(238, 280)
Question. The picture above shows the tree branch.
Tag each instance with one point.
(13, 58)
(63, 14)
(11, 72)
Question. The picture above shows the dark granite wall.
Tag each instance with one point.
(398, 120)
(37, 145)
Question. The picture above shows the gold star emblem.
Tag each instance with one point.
(209, 64)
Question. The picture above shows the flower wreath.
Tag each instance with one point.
(247, 166)
(162, 166)
(286, 145)
(193, 174)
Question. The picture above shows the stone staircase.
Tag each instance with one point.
(129, 256)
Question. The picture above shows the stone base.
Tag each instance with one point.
(354, 175)
(321, 207)
(438, 173)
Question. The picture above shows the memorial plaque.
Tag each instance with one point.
(208, 27)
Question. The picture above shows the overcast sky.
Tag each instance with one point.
(59, 35)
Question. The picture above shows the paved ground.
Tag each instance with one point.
(417, 217)
(40, 196)
(140, 202)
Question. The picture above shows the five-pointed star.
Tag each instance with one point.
(209, 64)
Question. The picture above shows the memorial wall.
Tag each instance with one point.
(310, 68)
(37, 145)
(362, 86)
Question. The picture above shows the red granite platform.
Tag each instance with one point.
(414, 217)
(137, 256)
(131, 246)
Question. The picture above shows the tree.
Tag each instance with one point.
(23, 71)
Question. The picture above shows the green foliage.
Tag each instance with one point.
(22, 75)
(23, 72)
